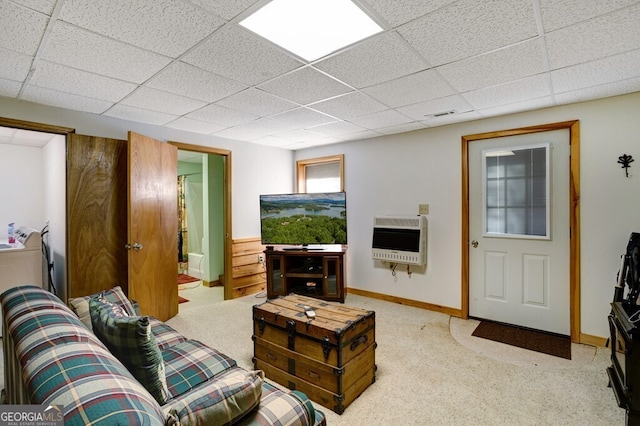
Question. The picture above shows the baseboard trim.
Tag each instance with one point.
(408, 302)
(587, 339)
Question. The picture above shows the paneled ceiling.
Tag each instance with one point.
(189, 65)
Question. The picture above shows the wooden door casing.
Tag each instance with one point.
(153, 223)
(96, 214)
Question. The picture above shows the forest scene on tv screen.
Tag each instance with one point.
(299, 219)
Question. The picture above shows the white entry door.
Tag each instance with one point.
(519, 253)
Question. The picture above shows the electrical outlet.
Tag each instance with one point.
(261, 258)
(423, 208)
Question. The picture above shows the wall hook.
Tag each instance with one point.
(625, 160)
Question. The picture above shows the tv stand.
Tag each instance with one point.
(317, 273)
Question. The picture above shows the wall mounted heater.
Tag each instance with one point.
(400, 239)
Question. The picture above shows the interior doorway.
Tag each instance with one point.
(209, 235)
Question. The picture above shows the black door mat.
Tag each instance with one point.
(526, 338)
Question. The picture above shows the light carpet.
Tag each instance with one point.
(431, 371)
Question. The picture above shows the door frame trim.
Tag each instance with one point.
(574, 213)
(228, 259)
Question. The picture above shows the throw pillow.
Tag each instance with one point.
(130, 339)
(80, 305)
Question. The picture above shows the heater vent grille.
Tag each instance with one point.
(400, 239)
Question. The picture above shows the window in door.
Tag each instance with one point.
(324, 174)
(516, 200)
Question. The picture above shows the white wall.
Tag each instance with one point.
(54, 171)
(393, 174)
(21, 191)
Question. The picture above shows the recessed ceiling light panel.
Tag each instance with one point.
(311, 29)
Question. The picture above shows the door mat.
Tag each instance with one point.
(526, 338)
(182, 299)
(184, 278)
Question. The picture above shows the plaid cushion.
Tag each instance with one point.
(35, 333)
(91, 385)
(165, 335)
(80, 305)
(282, 408)
(220, 401)
(129, 338)
(190, 363)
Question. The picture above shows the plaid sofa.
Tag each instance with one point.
(52, 357)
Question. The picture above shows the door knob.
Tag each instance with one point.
(474, 243)
(135, 246)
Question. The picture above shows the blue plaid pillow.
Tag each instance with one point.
(130, 339)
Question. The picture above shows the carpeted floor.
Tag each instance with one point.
(432, 371)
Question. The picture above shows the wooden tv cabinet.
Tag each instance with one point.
(315, 273)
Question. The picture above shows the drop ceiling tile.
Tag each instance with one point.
(512, 92)
(273, 141)
(418, 87)
(500, 66)
(527, 105)
(224, 8)
(470, 27)
(157, 100)
(220, 115)
(9, 89)
(365, 134)
(423, 110)
(350, 105)
(64, 100)
(186, 80)
(167, 27)
(253, 130)
(237, 54)
(44, 6)
(379, 58)
(398, 12)
(87, 51)
(595, 73)
(257, 102)
(595, 39)
(70, 80)
(131, 113)
(602, 91)
(337, 129)
(315, 143)
(558, 14)
(21, 29)
(409, 127)
(305, 85)
(196, 126)
(299, 135)
(301, 118)
(381, 119)
(14, 66)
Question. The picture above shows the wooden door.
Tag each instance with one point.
(96, 214)
(153, 226)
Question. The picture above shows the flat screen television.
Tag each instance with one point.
(303, 219)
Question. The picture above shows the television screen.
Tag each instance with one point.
(303, 219)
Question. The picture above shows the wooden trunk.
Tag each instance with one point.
(331, 357)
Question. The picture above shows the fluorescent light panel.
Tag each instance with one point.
(311, 29)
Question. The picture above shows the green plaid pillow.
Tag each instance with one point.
(130, 339)
(80, 305)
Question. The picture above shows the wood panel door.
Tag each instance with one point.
(153, 226)
(96, 215)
